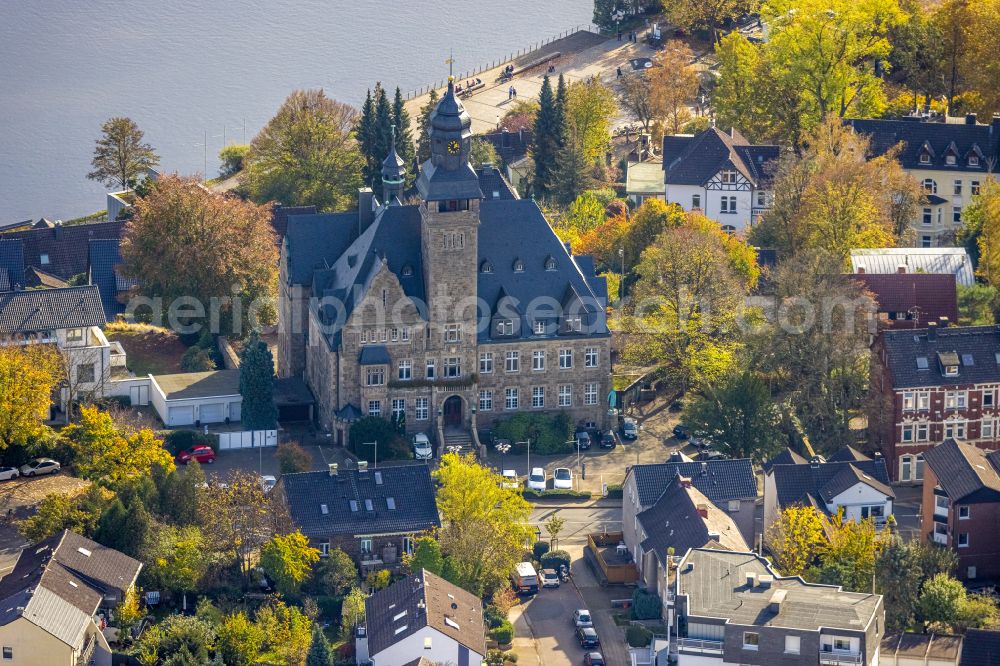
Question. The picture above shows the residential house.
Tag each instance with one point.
(936, 383)
(644, 180)
(729, 484)
(910, 300)
(788, 456)
(511, 146)
(58, 598)
(450, 313)
(60, 252)
(961, 505)
(853, 483)
(951, 161)
(681, 519)
(940, 260)
(423, 616)
(733, 608)
(371, 514)
(980, 647)
(105, 271)
(909, 649)
(69, 319)
(721, 174)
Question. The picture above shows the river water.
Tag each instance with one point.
(184, 68)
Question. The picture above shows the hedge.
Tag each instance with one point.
(638, 636)
(553, 558)
(549, 433)
(615, 491)
(504, 634)
(539, 549)
(645, 606)
(180, 440)
(391, 444)
(493, 616)
(528, 493)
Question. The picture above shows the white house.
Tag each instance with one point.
(423, 616)
(720, 174)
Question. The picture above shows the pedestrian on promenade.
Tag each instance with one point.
(510, 92)
(619, 72)
(514, 90)
(619, 34)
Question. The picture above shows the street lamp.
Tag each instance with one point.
(528, 442)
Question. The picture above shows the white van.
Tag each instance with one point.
(525, 579)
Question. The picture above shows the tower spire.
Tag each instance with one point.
(393, 172)
(451, 64)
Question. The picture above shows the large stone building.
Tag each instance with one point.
(452, 312)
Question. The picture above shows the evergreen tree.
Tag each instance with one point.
(545, 140)
(110, 526)
(423, 128)
(404, 137)
(570, 175)
(257, 386)
(383, 135)
(559, 125)
(137, 530)
(319, 649)
(366, 134)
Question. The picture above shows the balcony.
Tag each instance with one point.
(87, 653)
(838, 658)
(699, 646)
(941, 539)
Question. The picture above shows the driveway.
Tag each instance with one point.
(546, 621)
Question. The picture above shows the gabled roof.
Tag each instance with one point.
(807, 483)
(966, 472)
(424, 600)
(980, 647)
(846, 453)
(786, 457)
(65, 247)
(718, 480)
(674, 522)
(976, 344)
(280, 215)
(947, 260)
(510, 146)
(314, 241)
(401, 499)
(105, 260)
(929, 296)
(50, 309)
(934, 138)
(11, 263)
(695, 160)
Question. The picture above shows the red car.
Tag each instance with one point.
(202, 453)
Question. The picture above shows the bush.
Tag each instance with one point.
(196, 359)
(176, 441)
(379, 580)
(539, 549)
(504, 634)
(554, 494)
(614, 491)
(330, 607)
(493, 616)
(548, 433)
(645, 606)
(391, 444)
(638, 636)
(232, 157)
(553, 558)
(293, 458)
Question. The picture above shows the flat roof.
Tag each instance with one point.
(716, 586)
(188, 385)
(644, 177)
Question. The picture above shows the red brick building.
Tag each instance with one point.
(961, 506)
(935, 384)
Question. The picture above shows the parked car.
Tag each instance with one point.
(200, 452)
(700, 442)
(536, 480)
(588, 638)
(680, 432)
(609, 440)
(524, 578)
(630, 429)
(509, 479)
(711, 454)
(581, 618)
(583, 440)
(562, 479)
(40, 466)
(422, 449)
(267, 482)
(593, 659)
(8, 473)
(550, 578)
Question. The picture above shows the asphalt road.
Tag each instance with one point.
(580, 520)
(548, 616)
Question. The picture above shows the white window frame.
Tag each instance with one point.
(793, 645)
(505, 327)
(591, 357)
(539, 327)
(74, 335)
(696, 201)
(929, 185)
(430, 371)
(452, 333)
(452, 367)
(367, 546)
(565, 395)
(375, 375)
(923, 401)
(728, 177)
(405, 370)
(967, 510)
(957, 187)
(485, 363)
(565, 359)
(958, 540)
(590, 394)
(511, 398)
(374, 408)
(512, 361)
(754, 644)
(909, 401)
(421, 409)
(486, 400)
(537, 397)
(398, 408)
(538, 360)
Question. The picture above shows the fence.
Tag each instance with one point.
(247, 439)
(501, 60)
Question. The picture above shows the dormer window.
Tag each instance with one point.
(539, 327)
(550, 264)
(518, 266)
(407, 270)
(925, 158)
(505, 327)
(486, 267)
(949, 160)
(973, 160)
(948, 361)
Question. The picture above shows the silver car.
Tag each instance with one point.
(8, 473)
(40, 466)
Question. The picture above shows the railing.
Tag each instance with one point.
(839, 658)
(87, 652)
(940, 510)
(941, 539)
(701, 645)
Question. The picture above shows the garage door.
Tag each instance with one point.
(235, 411)
(213, 413)
(178, 416)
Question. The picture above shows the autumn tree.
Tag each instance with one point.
(287, 633)
(980, 69)
(239, 640)
(635, 94)
(288, 560)
(945, 605)
(485, 525)
(177, 558)
(917, 57)
(337, 572)
(590, 108)
(187, 242)
(708, 15)
(482, 152)
(738, 415)
(78, 512)
(673, 84)
(120, 155)
(352, 612)
(257, 385)
(306, 154)
(28, 374)
(426, 555)
(982, 228)
(796, 539)
(850, 557)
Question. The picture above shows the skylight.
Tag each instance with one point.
(922, 363)
(84, 552)
(398, 616)
(324, 509)
(369, 506)
(451, 623)
(391, 503)
(354, 505)
(400, 630)
(378, 478)
(967, 359)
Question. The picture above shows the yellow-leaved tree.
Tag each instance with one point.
(28, 374)
(796, 539)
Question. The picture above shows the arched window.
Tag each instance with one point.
(407, 270)
(550, 264)
(486, 267)
(518, 266)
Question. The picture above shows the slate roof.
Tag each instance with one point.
(915, 135)
(694, 160)
(510, 146)
(716, 587)
(930, 295)
(65, 246)
(315, 241)
(395, 613)
(105, 260)
(436, 182)
(11, 263)
(280, 215)
(846, 453)
(674, 521)
(980, 344)
(408, 486)
(50, 309)
(953, 260)
(58, 586)
(374, 355)
(187, 385)
(966, 472)
(980, 647)
(718, 480)
(806, 483)
(786, 457)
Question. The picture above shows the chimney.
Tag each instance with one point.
(942, 322)
(751, 579)
(362, 466)
(684, 481)
(703, 511)
(777, 597)
(58, 230)
(765, 580)
(704, 469)
(861, 270)
(332, 467)
(814, 462)
(970, 119)
(931, 331)
(901, 268)
(366, 208)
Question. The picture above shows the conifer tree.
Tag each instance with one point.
(319, 649)
(366, 134)
(423, 126)
(257, 386)
(404, 137)
(570, 176)
(560, 112)
(545, 143)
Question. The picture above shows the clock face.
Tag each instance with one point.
(454, 147)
